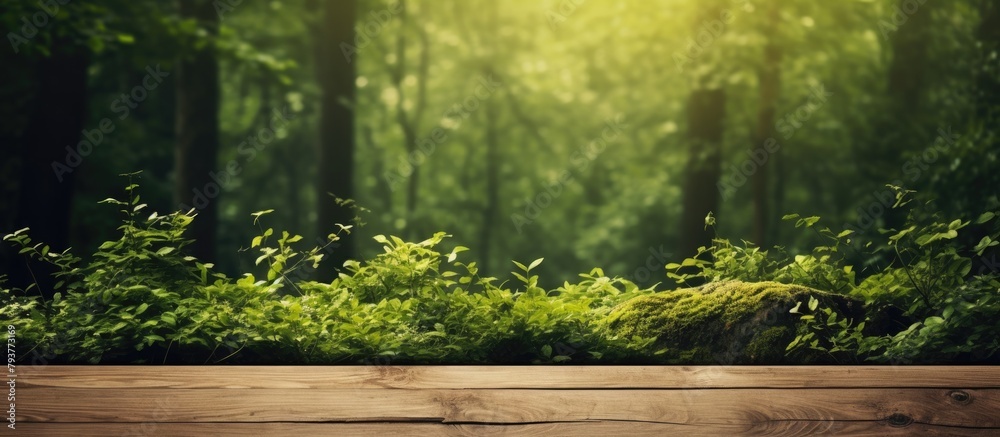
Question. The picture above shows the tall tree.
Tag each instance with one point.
(410, 121)
(907, 95)
(987, 80)
(46, 193)
(491, 209)
(706, 108)
(492, 164)
(336, 136)
(197, 116)
(769, 84)
(907, 70)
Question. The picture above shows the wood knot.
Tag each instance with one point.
(960, 396)
(899, 420)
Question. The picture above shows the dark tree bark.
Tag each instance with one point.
(414, 124)
(906, 87)
(336, 147)
(492, 163)
(907, 72)
(197, 148)
(987, 82)
(769, 78)
(45, 197)
(706, 108)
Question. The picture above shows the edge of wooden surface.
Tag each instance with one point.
(595, 428)
(508, 400)
(506, 377)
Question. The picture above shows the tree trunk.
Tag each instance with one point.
(769, 77)
(987, 84)
(336, 142)
(492, 207)
(410, 121)
(909, 60)
(700, 193)
(197, 148)
(45, 195)
(907, 80)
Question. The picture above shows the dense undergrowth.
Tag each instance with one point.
(140, 299)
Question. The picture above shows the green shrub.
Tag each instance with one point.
(924, 305)
(140, 299)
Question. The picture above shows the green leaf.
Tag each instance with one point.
(796, 309)
(933, 321)
(948, 311)
(690, 262)
(535, 263)
(169, 317)
(984, 244)
(547, 351)
(902, 233)
(807, 221)
(259, 214)
(165, 251)
(793, 343)
(454, 253)
(813, 303)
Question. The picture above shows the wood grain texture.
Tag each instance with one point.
(506, 400)
(694, 406)
(592, 428)
(506, 377)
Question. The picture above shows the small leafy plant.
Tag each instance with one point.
(140, 299)
(924, 305)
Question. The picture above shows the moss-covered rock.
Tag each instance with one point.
(726, 322)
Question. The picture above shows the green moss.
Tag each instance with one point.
(769, 345)
(726, 321)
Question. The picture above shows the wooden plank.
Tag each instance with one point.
(507, 377)
(595, 428)
(735, 407)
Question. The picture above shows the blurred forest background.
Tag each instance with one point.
(588, 132)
